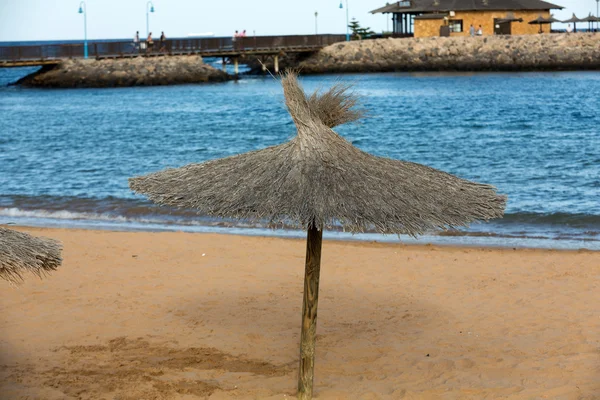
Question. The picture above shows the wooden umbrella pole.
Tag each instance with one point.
(314, 239)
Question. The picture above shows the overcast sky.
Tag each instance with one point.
(111, 19)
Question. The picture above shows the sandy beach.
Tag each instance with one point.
(141, 315)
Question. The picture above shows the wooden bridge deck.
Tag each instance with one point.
(21, 56)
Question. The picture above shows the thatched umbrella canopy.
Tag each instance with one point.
(543, 21)
(573, 20)
(317, 180)
(510, 17)
(590, 19)
(21, 252)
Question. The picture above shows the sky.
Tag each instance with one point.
(22, 20)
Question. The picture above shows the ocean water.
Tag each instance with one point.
(65, 155)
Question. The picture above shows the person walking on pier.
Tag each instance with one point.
(149, 43)
(241, 42)
(162, 43)
(234, 39)
(136, 42)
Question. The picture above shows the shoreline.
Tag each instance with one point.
(470, 241)
(177, 315)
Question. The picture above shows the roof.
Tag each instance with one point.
(542, 20)
(504, 20)
(416, 6)
(320, 180)
(573, 19)
(510, 17)
(20, 252)
(590, 18)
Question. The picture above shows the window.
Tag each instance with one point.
(456, 25)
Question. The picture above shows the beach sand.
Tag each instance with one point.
(141, 315)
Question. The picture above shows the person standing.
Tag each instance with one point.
(149, 43)
(241, 44)
(136, 42)
(162, 42)
(569, 29)
(472, 30)
(480, 31)
(236, 35)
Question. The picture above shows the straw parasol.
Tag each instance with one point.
(510, 17)
(573, 20)
(22, 252)
(590, 19)
(317, 180)
(541, 21)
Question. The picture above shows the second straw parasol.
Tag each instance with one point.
(21, 252)
(543, 21)
(573, 20)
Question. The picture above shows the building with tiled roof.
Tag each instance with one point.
(425, 18)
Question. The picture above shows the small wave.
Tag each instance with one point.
(140, 212)
(112, 206)
(515, 235)
(522, 126)
(580, 115)
(564, 219)
(61, 214)
(144, 218)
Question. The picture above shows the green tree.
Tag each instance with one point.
(359, 32)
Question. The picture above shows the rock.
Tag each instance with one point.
(500, 53)
(139, 71)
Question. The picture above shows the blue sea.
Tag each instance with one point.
(65, 155)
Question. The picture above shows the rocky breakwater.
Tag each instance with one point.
(138, 71)
(488, 53)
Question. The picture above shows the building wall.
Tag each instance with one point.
(431, 27)
(427, 27)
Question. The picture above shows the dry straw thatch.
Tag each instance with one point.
(319, 178)
(20, 252)
(316, 180)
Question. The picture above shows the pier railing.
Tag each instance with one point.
(219, 46)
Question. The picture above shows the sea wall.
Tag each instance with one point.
(138, 71)
(487, 53)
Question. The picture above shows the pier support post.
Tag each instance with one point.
(235, 66)
(224, 65)
(264, 65)
(276, 66)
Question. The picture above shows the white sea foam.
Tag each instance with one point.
(8, 213)
(61, 214)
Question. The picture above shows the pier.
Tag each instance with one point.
(227, 48)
